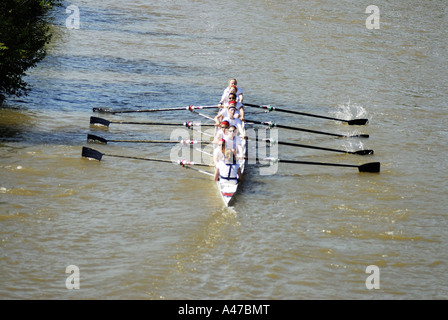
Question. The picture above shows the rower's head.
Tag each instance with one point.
(224, 125)
(222, 144)
(233, 82)
(232, 131)
(232, 108)
(232, 97)
(233, 90)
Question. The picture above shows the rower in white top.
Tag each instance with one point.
(219, 152)
(228, 173)
(224, 111)
(235, 121)
(234, 143)
(222, 131)
(232, 88)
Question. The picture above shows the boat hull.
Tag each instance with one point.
(228, 190)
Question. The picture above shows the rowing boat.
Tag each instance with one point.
(227, 190)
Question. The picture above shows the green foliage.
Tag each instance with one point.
(24, 32)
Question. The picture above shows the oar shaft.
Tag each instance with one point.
(188, 124)
(307, 146)
(271, 124)
(373, 167)
(95, 154)
(310, 115)
(148, 123)
(190, 108)
(310, 131)
(136, 158)
(271, 108)
(359, 152)
(180, 162)
(318, 163)
(161, 141)
(94, 138)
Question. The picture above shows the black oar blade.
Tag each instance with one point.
(100, 121)
(370, 167)
(94, 138)
(91, 153)
(357, 122)
(359, 136)
(362, 152)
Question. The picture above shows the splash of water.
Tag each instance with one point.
(353, 145)
(350, 111)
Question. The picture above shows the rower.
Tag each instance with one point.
(234, 143)
(224, 111)
(238, 105)
(235, 121)
(220, 134)
(230, 173)
(219, 152)
(232, 86)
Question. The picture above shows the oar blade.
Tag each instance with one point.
(357, 122)
(362, 152)
(359, 136)
(94, 138)
(370, 167)
(99, 121)
(103, 110)
(91, 153)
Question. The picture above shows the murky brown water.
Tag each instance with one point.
(144, 230)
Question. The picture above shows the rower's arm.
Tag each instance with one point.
(241, 131)
(240, 152)
(217, 119)
(241, 111)
(216, 174)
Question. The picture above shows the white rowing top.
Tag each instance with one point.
(228, 172)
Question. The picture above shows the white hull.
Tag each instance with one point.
(228, 190)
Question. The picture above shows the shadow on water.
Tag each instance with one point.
(13, 123)
(23, 126)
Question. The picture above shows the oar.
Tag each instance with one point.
(104, 122)
(272, 125)
(359, 152)
(97, 155)
(190, 108)
(97, 139)
(358, 122)
(373, 167)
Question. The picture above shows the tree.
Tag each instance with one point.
(24, 33)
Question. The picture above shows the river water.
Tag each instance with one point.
(148, 230)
